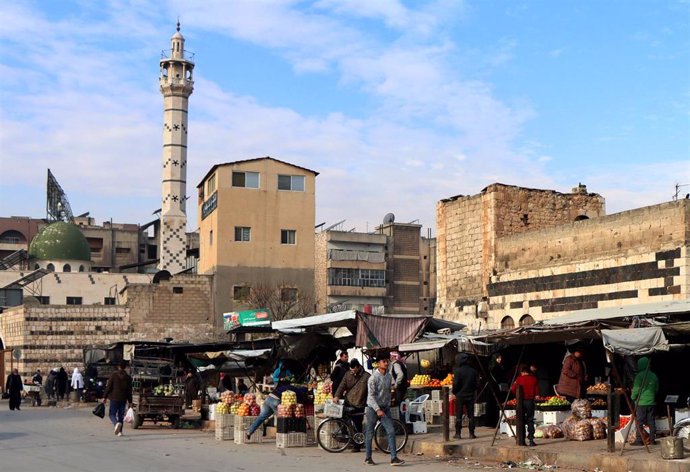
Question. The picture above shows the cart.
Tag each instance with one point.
(34, 393)
(148, 403)
(157, 408)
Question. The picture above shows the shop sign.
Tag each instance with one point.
(209, 205)
(259, 317)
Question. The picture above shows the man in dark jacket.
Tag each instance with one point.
(14, 387)
(341, 367)
(119, 389)
(465, 384)
(354, 389)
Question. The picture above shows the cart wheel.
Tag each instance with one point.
(138, 419)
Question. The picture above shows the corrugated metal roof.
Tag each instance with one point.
(643, 309)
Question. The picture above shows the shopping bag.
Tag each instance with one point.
(99, 410)
(129, 416)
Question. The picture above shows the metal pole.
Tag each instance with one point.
(612, 422)
(446, 413)
(519, 417)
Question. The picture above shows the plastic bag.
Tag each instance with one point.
(99, 410)
(598, 428)
(550, 432)
(129, 416)
(582, 409)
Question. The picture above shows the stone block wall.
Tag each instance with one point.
(633, 257)
(321, 271)
(468, 228)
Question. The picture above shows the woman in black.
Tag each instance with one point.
(14, 387)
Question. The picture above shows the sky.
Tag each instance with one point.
(397, 104)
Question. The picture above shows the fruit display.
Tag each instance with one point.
(300, 411)
(599, 404)
(511, 403)
(321, 395)
(288, 397)
(227, 397)
(420, 380)
(167, 390)
(434, 383)
(223, 408)
(598, 389)
(425, 363)
(554, 403)
(448, 380)
(235, 408)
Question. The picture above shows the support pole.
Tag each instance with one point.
(633, 410)
(519, 417)
(446, 413)
(612, 423)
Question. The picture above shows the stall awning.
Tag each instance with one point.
(423, 345)
(329, 320)
(643, 309)
(635, 341)
(388, 331)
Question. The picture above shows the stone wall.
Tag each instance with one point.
(468, 228)
(321, 271)
(637, 256)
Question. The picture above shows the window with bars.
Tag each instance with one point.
(245, 179)
(288, 236)
(294, 183)
(243, 233)
(74, 301)
(288, 294)
(241, 292)
(109, 301)
(357, 277)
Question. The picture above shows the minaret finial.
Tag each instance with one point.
(178, 24)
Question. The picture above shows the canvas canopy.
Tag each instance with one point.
(635, 341)
(430, 341)
(675, 307)
(340, 319)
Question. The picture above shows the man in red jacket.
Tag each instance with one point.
(530, 390)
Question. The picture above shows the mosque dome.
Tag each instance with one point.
(60, 241)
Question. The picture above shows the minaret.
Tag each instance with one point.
(176, 84)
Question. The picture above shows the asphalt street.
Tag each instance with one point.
(72, 439)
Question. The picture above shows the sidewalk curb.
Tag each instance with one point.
(603, 461)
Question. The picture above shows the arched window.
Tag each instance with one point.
(67, 268)
(36, 266)
(50, 268)
(81, 268)
(507, 323)
(12, 237)
(581, 217)
(526, 320)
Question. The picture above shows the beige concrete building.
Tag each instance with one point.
(512, 256)
(112, 245)
(256, 229)
(388, 271)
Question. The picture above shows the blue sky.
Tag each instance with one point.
(396, 104)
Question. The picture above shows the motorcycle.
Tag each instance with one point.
(682, 430)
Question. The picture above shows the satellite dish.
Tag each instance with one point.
(388, 219)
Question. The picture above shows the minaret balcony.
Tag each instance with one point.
(186, 56)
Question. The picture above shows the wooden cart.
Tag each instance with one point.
(157, 408)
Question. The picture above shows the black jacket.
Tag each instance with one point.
(338, 373)
(465, 377)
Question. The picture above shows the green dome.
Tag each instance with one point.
(60, 241)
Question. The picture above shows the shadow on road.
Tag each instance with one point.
(4, 436)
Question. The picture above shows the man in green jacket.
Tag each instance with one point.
(644, 392)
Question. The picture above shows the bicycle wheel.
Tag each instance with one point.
(333, 435)
(381, 436)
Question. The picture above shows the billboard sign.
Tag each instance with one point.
(260, 317)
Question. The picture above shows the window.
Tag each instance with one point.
(74, 300)
(507, 323)
(526, 320)
(81, 268)
(243, 233)
(357, 277)
(122, 250)
(241, 292)
(291, 182)
(50, 268)
(245, 179)
(67, 268)
(109, 301)
(178, 289)
(288, 294)
(211, 185)
(288, 236)
(43, 300)
(210, 238)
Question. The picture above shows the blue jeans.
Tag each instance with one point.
(387, 423)
(117, 411)
(270, 407)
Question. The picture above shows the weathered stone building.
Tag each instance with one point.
(512, 256)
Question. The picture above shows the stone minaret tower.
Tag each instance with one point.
(176, 84)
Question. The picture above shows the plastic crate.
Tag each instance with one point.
(311, 430)
(327, 434)
(225, 420)
(284, 440)
(333, 410)
(435, 394)
(242, 423)
(225, 433)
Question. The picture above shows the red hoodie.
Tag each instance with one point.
(529, 384)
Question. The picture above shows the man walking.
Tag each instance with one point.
(378, 408)
(465, 384)
(14, 387)
(119, 389)
(354, 388)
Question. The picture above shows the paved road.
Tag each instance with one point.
(72, 439)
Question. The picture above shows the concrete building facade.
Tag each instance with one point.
(256, 229)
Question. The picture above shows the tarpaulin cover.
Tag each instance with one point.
(375, 331)
(634, 341)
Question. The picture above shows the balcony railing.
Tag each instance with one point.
(186, 55)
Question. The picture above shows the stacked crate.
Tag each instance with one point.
(225, 427)
(242, 423)
(292, 439)
(291, 432)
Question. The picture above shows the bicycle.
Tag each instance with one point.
(336, 434)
